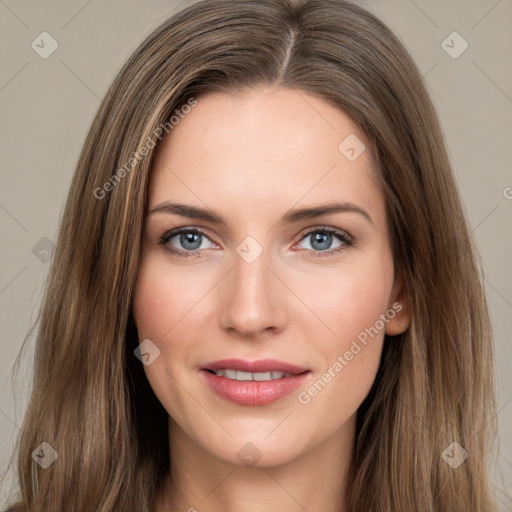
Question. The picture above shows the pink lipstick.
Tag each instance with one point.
(253, 382)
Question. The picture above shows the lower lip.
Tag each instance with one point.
(249, 392)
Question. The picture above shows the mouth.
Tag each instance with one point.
(253, 382)
(245, 376)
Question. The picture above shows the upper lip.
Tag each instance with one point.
(258, 366)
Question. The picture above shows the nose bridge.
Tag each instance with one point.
(253, 298)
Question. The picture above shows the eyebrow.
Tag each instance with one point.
(290, 217)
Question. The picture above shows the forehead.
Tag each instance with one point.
(263, 149)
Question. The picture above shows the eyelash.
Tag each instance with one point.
(345, 238)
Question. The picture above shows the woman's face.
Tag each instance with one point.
(302, 311)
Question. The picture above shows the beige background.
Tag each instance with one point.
(48, 104)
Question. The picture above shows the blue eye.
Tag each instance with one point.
(192, 241)
(321, 239)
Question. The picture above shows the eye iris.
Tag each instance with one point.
(190, 237)
(323, 238)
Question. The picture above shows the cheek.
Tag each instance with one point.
(160, 306)
(164, 302)
(170, 309)
(350, 306)
(346, 300)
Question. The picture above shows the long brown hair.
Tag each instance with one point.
(91, 401)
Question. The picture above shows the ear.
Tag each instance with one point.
(400, 304)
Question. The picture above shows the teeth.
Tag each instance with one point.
(261, 376)
(230, 374)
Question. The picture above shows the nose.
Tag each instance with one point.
(253, 299)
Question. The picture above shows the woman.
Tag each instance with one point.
(247, 370)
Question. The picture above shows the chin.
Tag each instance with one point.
(259, 451)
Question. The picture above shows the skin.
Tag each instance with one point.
(251, 158)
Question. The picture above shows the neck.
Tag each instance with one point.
(314, 481)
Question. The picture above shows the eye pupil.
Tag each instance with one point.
(190, 237)
(323, 239)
